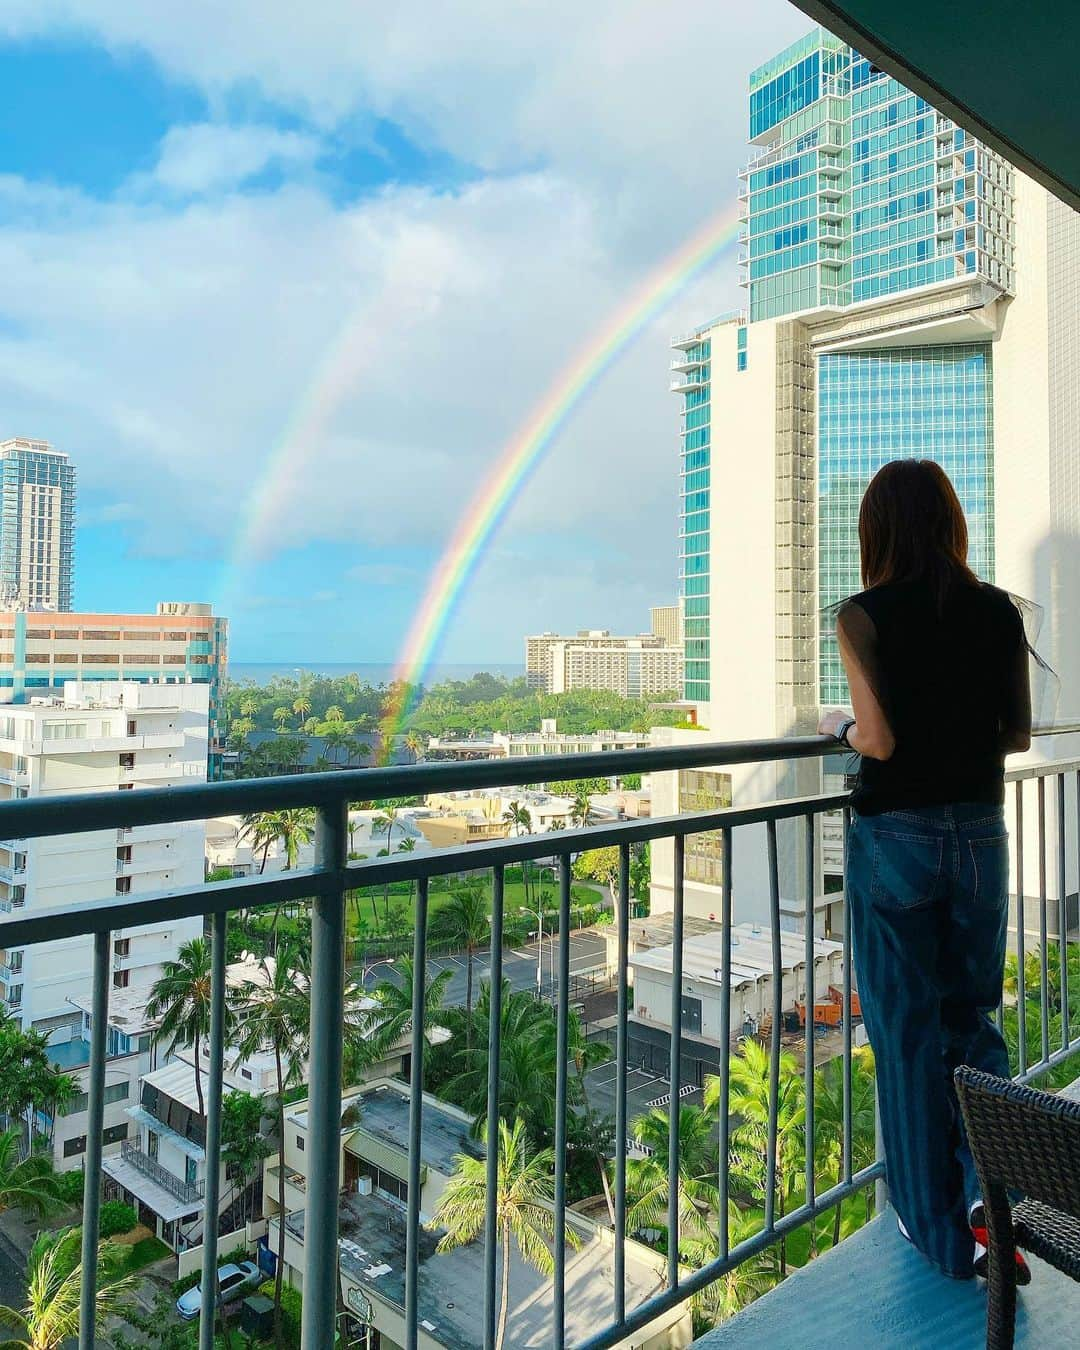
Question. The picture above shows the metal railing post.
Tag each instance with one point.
(214, 1071)
(95, 1123)
(811, 1011)
(319, 1315)
(562, 1043)
(622, 918)
(491, 1218)
(675, 1063)
(416, 1118)
(724, 1114)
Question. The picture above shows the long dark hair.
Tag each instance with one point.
(912, 528)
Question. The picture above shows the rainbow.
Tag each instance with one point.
(521, 454)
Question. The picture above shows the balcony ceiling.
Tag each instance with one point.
(1007, 72)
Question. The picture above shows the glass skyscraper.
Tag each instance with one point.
(859, 199)
(897, 403)
(37, 525)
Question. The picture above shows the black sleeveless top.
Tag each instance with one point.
(949, 682)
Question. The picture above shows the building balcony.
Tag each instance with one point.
(688, 382)
(754, 988)
(188, 1193)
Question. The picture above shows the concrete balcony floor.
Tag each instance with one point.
(876, 1290)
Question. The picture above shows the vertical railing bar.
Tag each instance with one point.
(848, 1143)
(214, 1071)
(562, 1041)
(622, 918)
(491, 1229)
(1021, 954)
(675, 1065)
(416, 1117)
(777, 1019)
(327, 985)
(811, 1002)
(1063, 913)
(725, 1045)
(1044, 989)
(95, 1123)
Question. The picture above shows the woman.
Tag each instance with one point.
(937, 666)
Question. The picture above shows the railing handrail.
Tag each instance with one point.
(187, 1191)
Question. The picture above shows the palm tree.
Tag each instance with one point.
(647, 1178)
(49, 1318)
(302, 708)
(28, 1184)
(277, 1015)
(747, 1281)
(333, 714)
(464, 921)
(524, 1194)
(260, 828)
(520, 817)
(249, 706)
(581, 811)
(394, 1018)
(527, 1060)
(408, 845)
(386, 821)
(829, 1119)
(585, 1055)
(415, 746)
(180, 1002)
(281, 717)
(749, 1103)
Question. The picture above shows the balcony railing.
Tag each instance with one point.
(787, 829)
(188, 1192)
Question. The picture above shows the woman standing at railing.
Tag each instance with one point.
(937, 666)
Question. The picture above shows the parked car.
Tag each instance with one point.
(233, 1280)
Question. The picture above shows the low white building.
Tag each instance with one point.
(751, 979)
(97, 738)
(549, 740)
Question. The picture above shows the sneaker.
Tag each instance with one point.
(982, 1242)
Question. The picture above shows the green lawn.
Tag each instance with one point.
(514, 893)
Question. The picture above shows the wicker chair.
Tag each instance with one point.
(1028, 1142)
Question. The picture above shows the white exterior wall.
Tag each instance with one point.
(169, 744)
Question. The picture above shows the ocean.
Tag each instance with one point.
(372, 672)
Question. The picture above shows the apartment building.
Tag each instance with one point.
(647, 665)
(549, 740)
(909, 293)
(97, 738)
(37, 525)
(181, 643)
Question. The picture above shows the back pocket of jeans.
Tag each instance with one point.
(990, 858)
(907, 870)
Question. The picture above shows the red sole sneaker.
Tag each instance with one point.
(982, 1241)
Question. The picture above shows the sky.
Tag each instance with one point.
(284, 281)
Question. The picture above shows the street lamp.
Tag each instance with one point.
(539, 912)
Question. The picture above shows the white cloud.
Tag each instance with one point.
(174, 340)
(204, 157)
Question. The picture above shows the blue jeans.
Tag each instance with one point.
(929, 912)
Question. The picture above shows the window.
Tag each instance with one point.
(127, 760)
(121, 979)
(145, 1043)
(100, 635)
(15, 996)
(100, 659)
(123, 885)
(300, 1143)
(73, 1147)
(15, 962)
(114, 1134)
(190, 1171)
(125, 787)
(691, 1014)
(246, 1073)
(131, 726)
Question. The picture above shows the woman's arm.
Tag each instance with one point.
(871, 735)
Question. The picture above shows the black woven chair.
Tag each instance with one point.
(1025, 1141)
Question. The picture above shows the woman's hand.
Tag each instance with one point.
(832, 721)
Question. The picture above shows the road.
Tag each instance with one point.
(587, 952)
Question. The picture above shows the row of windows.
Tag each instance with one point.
(900, 111)
(894, 162)
(897, 136)
(785, 192)
(916, 206)
(113, 1135)
(790, 92)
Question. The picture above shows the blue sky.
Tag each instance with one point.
(374, 240)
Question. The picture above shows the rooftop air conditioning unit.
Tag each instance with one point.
(363, 1185)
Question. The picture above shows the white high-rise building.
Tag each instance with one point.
(97, 737)
(910, 294)
(645, 666)
(37, 525)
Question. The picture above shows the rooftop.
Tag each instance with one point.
(450, 1284)
(876, 1290)
(751, 954)
(383, 1113)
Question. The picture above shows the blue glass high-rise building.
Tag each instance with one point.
(37, 525)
